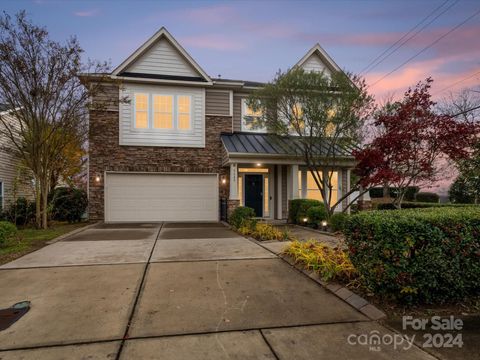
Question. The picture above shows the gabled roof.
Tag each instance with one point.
(317, 50)
(241, 143)
(156, 38)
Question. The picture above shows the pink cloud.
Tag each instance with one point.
(414, 72)
(213, 41)
(86, 13)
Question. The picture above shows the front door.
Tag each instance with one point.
(254, 193)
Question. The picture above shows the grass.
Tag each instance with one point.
(31, 239)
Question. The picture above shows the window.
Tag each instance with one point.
(184, 113)
(251, 120)
(141, 111)
(163, 112)
(166, 112)
(311, 189)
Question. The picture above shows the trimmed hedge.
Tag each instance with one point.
(428, 197)
(418, 205)
(337, 221)
(418, 255)
(68, 204)
(240, 216)
(298, 209)
(7, 230)
(316, 214)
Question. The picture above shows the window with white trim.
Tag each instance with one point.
(141, 111)
(184, 113)
(251, 120)
(163, 112)
(311, 191)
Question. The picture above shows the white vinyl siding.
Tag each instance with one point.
(188, 128)
(314, 63)
(163, 59)
(161, 197)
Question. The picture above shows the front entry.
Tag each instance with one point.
(254, 193)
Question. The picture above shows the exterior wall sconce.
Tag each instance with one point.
(97, 178)
(223, 179)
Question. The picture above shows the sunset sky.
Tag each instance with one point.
(251, 40)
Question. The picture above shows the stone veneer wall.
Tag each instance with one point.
(105, 154)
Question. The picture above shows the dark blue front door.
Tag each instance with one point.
(254, 193)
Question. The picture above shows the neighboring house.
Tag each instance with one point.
(173, 141)
(13, 183)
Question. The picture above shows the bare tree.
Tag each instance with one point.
(39, 84)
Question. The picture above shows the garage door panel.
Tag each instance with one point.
(161, 197)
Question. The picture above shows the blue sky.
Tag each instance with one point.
(251, 40)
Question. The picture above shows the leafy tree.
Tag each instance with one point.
(463, 192)
(318, 112)
(39, 84)
(413, 140)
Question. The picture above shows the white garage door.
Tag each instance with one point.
(161, 197)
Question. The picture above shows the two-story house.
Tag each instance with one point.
(174, 141)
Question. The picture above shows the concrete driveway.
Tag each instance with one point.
(174, 291)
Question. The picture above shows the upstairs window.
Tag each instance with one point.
(162, 112)
(251, 120)
(184, 113)
(141, 111)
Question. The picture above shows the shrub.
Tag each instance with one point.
(240, 215)
(7, 231)
(330, 263)
(298, 208)
(262, 231)
(428, 197)
(68, 204)
(418, 255)
(21, 213)
(316, 215)
(377, 192)
(337, 221)
(418, 205)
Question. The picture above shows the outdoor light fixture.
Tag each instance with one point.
(97, 178)
(223, 179)
(305, 220)
(324, 225)
(258, 164)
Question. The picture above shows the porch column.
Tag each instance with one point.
(294, 182)
(233, 182)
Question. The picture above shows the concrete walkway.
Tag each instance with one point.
(175, 291)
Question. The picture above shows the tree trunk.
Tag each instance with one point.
(386, 192)
(38, 204)
(45, 189)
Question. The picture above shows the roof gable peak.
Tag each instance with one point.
(160, 35)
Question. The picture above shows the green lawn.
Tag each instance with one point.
(31, 239)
